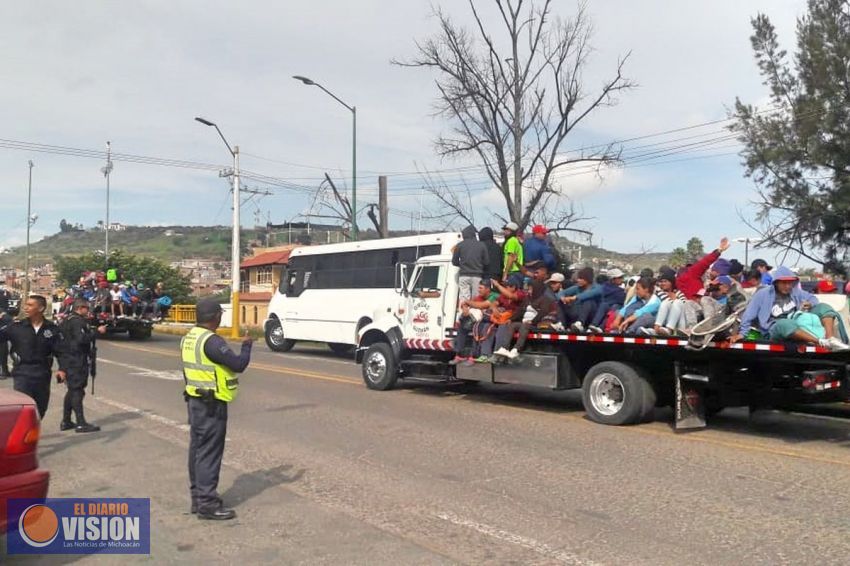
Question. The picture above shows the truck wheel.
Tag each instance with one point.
(379, 369)
(139, 333)
(274, 337)
(615, 393)
(341, 349)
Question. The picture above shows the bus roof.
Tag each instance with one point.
(445, 239)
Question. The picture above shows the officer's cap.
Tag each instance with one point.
(207, 309)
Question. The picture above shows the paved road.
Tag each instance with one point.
(322, 470)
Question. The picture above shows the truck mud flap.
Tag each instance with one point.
(690, 399)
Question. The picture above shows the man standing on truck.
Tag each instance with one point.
(75, 363)
(470, 256)
(512, 251)
(34, 343)
(209, 370)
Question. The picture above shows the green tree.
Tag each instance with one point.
(797, 150)
(695, 249)
(145, 270)
(679, 258)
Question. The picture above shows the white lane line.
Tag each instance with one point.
(147, 414)
(519, 540)
(168, 375)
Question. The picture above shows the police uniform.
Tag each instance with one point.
(75, 359)
(5, 297)
(209, 369)
(32, 355)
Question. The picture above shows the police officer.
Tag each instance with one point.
(76, 355)
(34, 342)
(209, 370)
(5, 317)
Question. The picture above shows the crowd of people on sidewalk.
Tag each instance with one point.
(506, 291)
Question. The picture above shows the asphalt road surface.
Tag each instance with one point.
(322, 470)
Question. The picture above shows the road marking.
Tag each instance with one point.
(541, 548)
(651, 430)
(168, 375)
(147, 414)
(266, 367)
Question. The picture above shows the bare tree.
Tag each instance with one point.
(514, 109)
(335, 205)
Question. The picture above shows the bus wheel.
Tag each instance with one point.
(615, 393)
(379, 369)
(275, 339)
(341, 349)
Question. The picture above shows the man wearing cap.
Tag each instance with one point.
(613, 298)
(777, 313)
(76, 357)
(209, 370)
(512, 252)
(538, 249)
(762, 267)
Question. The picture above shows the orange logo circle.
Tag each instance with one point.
(38, 525)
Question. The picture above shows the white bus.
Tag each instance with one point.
(328, 293)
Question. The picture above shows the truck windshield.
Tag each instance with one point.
(428, 279)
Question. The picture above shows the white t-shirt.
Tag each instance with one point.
(116, 295)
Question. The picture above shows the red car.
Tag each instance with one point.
(20, 476)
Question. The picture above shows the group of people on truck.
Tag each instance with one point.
(501, 303)
(129, 298)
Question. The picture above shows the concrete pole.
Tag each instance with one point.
(383, 211)
(235, 251)
(29, 224)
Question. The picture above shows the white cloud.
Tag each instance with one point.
(78, 74)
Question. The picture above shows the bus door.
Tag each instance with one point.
(425, 315)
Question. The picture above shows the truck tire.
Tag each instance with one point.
(341, 349)
(275, 339)
(615, 393)
(139, 333)
(379, 367)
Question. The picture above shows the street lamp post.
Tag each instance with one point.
(107, 171)
(747, 241)
(353, 110)
(29, 224)
(235, 244)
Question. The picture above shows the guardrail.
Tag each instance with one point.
(181, 313)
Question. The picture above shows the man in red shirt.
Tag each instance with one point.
(691, 284)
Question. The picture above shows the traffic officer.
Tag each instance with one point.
(5, 316)
(209, 370)
(34, 342)
(76, 354)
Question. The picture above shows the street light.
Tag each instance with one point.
(30, 221)
(353, 109)
(107, 171)
(235, 245)
(747, 242)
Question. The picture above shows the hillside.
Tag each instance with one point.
(171, 243)
(185, 242)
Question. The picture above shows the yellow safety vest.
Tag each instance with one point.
(200, 372)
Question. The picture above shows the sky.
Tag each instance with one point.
(77, 74)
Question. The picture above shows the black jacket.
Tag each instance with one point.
(494, 254)
(32, 353)
(74, 350)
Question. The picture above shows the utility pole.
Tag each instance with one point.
(383, 211)
(106, 172)
(235, 252)
(29, 223)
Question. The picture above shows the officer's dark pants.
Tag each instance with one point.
(207, 429)
(29, 382)
(76, 380)
(4, 357)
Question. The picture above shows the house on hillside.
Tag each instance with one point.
(260, 276)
